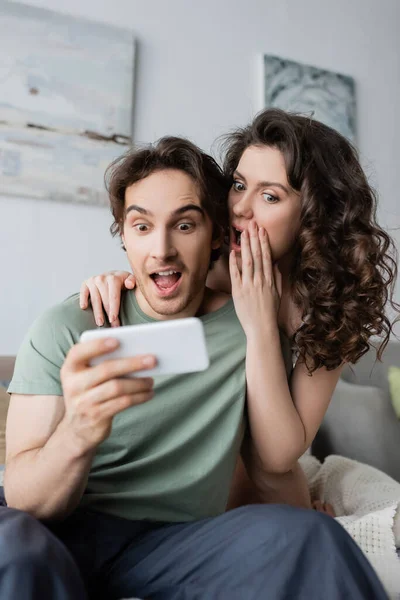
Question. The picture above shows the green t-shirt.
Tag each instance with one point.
(172, 458)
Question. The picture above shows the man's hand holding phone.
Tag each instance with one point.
(94, 394)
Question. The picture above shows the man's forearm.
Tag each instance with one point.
(48, 482)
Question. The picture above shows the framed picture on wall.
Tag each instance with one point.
(327, 96)
(66, 96)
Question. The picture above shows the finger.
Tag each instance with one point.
(116, 323)
(114, 297)
(79, 355)
(329, 510)
(84, 296)
(130, 282)
(112, 369)
(266, 254)
(255, 248)
(100, 282)
(113, 407)
(115, 388)
(234, 270)
(97, 304)
(247, 259)
(278, 279)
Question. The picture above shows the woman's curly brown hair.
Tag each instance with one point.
(344, 268)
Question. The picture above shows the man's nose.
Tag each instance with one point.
(243, 208)
(162, 246)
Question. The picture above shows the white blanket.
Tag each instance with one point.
(367, 504)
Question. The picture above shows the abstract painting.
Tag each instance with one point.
(66, 95)
(325, 95)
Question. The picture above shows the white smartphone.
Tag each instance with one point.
(179, 345)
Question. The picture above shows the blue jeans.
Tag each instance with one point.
(254, 552)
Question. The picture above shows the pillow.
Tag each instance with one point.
(360, 423)
(4, 402)
(394, 386)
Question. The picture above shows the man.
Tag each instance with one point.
(117, 487)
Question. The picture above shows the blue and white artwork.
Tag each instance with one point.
(66, 95)
(327, 96)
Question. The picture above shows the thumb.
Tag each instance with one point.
(130, 282)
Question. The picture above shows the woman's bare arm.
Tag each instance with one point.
(283, 418)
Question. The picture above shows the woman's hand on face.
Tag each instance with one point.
(257, 289)
(104, 291)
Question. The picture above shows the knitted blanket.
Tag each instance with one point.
(367, 504)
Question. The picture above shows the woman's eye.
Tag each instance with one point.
(270, 198)
(237, 186)
(185, 226)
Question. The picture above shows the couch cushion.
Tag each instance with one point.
(361, 424)
(4, 402)
(394, 385)
(369, 371)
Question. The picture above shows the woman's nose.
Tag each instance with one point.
(243, 208)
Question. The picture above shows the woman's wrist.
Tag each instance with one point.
(264, 334)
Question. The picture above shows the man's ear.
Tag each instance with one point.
(217, 242)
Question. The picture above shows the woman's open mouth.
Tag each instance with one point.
(236, 238)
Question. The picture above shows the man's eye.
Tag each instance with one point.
(270, 198)
(141, 227)
(238, 186)
(185, 226)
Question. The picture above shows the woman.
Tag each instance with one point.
(333, 272)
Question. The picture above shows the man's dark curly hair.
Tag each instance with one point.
(344, 268)
(173, 153)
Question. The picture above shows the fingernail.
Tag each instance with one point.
(110, 343)
(148, 361)
(112, 318)
(99, 322)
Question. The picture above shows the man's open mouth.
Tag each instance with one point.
(166, 281)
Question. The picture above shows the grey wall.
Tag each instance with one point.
(198, 75)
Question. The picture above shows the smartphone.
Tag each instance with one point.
(179, 345)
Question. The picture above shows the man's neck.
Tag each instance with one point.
(208, 301)
(212, 301)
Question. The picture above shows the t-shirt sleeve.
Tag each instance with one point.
(43, 351)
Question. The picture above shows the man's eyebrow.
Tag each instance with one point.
(138, 209)
(187, 208)
(262, 184)
(178, 211)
